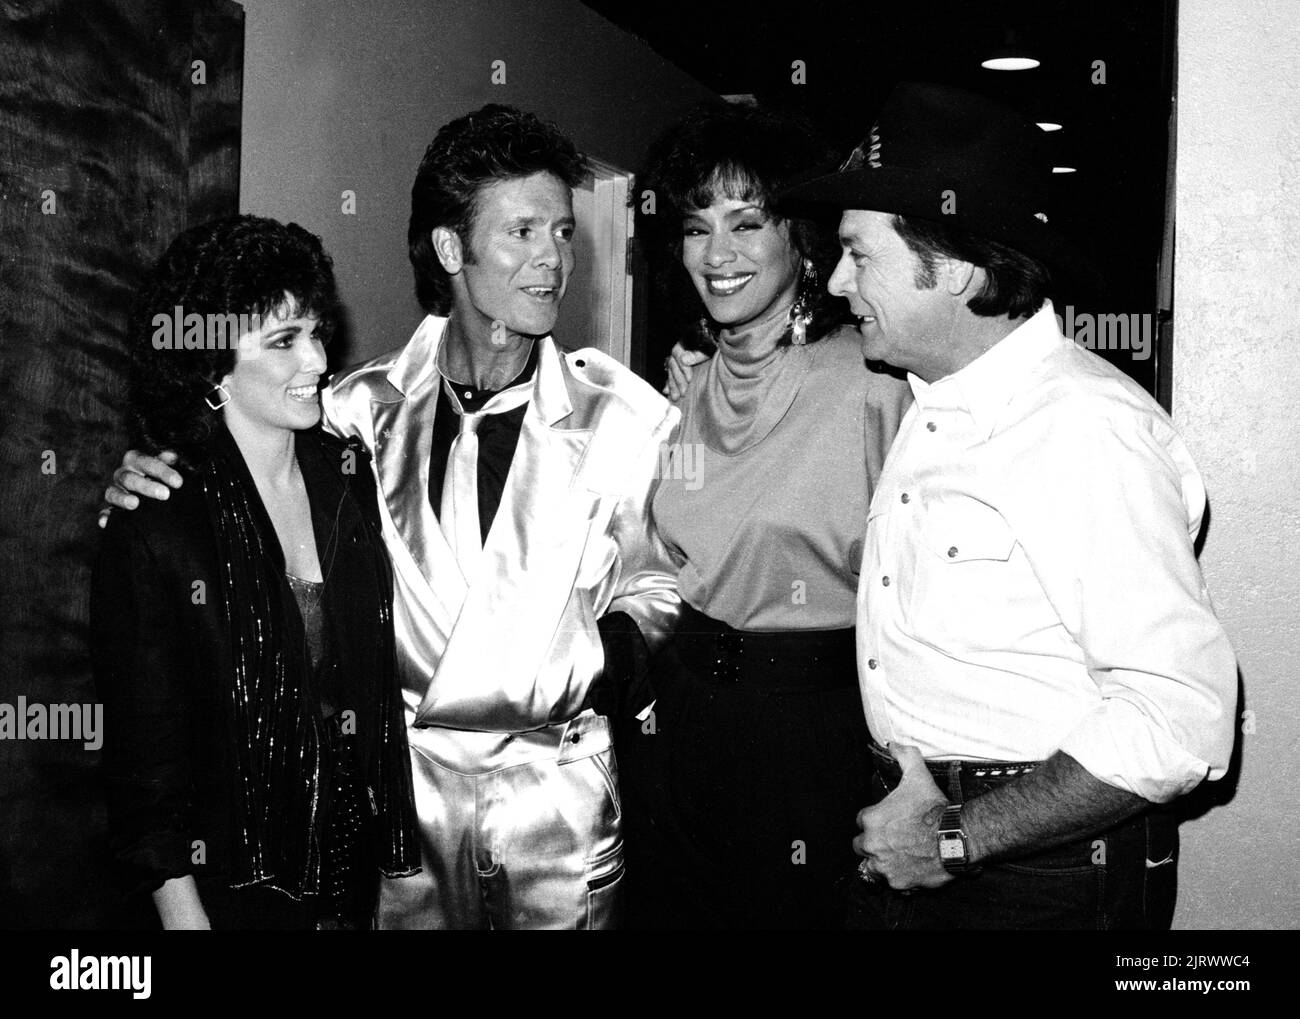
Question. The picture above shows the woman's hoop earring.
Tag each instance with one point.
(223, 399)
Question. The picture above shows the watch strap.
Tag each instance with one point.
(953, 837)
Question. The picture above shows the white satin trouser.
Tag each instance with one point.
(517, 831)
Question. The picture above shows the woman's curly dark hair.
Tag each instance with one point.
(741, 152)
(491, 144)
(238, 265)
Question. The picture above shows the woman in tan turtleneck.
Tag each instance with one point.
(742, 784)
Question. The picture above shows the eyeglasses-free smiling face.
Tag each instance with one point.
(277, 373)
(517, 262)
(900, 323)
(741, 260)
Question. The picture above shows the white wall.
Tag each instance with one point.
(1236, 389)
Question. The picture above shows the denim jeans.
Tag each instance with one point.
(1121, 879)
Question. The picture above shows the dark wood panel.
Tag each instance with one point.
(99, 117)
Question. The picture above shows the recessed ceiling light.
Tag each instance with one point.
(1064, 169)
(1010, 53)
(1047, 125)
(1010, 63)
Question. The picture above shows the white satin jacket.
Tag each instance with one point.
(516, 648)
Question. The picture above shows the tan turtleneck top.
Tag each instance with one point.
(765, 496)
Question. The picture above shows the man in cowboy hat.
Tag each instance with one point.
(1036, 646)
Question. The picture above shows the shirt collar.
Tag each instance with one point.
(417, 365)
(984, 387)
(471, 399)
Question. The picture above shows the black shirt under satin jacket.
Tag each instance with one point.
(621, 688)
(498, 435)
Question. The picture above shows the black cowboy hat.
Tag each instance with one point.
(959, 159)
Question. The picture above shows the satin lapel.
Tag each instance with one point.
(403, 437)
(530, 561)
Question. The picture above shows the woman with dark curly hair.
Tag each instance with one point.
(743, 785)
(242, 630)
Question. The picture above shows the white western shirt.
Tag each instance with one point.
(1028, 580)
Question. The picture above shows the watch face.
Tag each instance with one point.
(951, 848)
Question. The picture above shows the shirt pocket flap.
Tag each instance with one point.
(968, 531)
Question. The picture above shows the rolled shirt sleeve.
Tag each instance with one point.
(1108, 524)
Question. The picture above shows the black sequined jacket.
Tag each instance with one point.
(208, 773)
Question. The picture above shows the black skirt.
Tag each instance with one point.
(742, 788)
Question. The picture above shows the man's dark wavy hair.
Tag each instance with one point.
(742, 152)
(1015, 284)
(239, 265)
(491, 144)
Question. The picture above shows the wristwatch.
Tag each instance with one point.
(954, 847)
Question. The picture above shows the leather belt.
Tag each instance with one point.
(958, 780)
(789, 659)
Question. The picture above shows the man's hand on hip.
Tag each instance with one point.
(900, 834)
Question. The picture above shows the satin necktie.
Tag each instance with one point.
(458, 514)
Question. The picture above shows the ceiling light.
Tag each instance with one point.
(1064, 169)
(1010, 63)
(1047, 125)
(1010, 54)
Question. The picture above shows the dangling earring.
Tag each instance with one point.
(224, 396)
(706, 334)
(801, 311)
